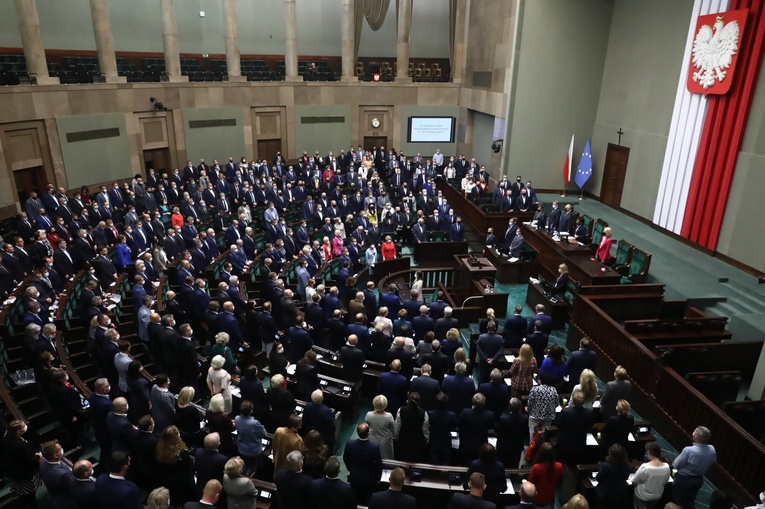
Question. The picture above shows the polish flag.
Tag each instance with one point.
(567, 166)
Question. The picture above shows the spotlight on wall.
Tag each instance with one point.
(157, 105)
(201, 14)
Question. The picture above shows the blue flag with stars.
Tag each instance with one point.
(584, 170)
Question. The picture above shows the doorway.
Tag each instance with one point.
(267, 149)
(29, 180)
(614, 171)
(375, 141)
(159, 159)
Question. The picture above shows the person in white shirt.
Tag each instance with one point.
(438, 158)
(650, 478)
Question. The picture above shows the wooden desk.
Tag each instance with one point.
(491, 298)
(435, 484)
(581, 268)
(435, 254)
(465, 272)
(510, 273)
(559, 311)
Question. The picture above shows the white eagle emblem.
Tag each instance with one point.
(713, 51)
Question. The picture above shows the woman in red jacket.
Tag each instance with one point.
(604, 248)
(388, 249)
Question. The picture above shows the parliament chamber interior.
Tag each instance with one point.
(363, 253)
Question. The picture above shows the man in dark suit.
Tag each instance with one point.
(188, 365)
(442, 325)
(364, 463)
(474, 425)
(437, 308)
(553, 219)
(540, 315)
(497, 393)
(267, 326)
(393, 496)
(353, 360)
(293, 487)
(515, 328)
(330, 492)
(209, 462)
(537, 340)
(422, 324)
(120, 429)
(427, 387)
(473, 499)
(100, 406)
(83, 488)
(566, 223)
(391, 300)
(573, 423)
(397, 351)
(457, 233)
(490, 350)
(63, 260)
(210, 496)
(439, 362)
(581, 359)
(112, 490)
(370, 301)
(460, 389)
(528, 493)
(393, 385)
(146, 469)
(56, 476)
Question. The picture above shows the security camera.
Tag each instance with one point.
(157, 105)
(496, 146)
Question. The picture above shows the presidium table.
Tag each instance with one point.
(582, 268)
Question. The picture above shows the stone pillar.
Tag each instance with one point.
(170, 42)
(290, 42)
(231, 35)
(102, 29)
(34, 53)
(348, 31)
(460, 42)
(402, 47)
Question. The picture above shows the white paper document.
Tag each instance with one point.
(591, 439)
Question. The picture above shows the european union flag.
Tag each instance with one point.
(584, 170)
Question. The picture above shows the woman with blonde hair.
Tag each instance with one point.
(159, 498)
(603, 252)
(339, 226)
(577, 502)
(240, 491)
(460, 355)
(219, 382)
(618, 427)
(383, 318)
(176, 470)
(381, 426)
(522, 372)
(452, 343)
(588, 386)
(188, 417)
(219, 421)
(484, 323)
